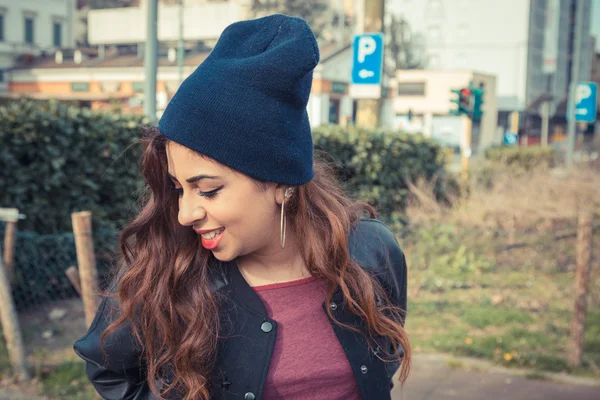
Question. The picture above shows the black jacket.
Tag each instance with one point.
(244, 355)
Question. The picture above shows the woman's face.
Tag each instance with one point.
(233, 215)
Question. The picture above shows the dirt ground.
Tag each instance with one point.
(49, 341)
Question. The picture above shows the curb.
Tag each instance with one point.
(488, 366)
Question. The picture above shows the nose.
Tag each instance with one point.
(190, 210)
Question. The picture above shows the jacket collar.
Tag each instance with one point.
(228, 279)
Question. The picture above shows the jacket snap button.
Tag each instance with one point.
(249, 396)
(266, 327)
(363, 369)
(333, 306)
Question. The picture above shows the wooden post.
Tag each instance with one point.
(11, 216)
(11, 329)
(73, 275)
(82, 228)
(584, 256)
(10, 235)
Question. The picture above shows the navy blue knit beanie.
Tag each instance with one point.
(245, 105)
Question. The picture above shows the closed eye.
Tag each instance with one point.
(209, 195)
(177, 190)
(212, 193)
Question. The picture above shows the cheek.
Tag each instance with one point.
(249, 219)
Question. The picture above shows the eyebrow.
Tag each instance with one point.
(194, 178)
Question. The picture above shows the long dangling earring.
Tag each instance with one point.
(283, 222)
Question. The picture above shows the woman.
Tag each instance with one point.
(248, 274)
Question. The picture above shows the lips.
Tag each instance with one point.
(211, 238)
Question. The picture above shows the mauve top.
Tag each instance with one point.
(308, 362)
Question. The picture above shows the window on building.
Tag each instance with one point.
(338, 87)
(29, 30)
(80, 87)
(334, 111)
(411, 89)
(138, 86)
(57, 34)
(1, 27)
(1, 76)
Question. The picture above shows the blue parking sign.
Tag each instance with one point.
(367, 59)
(585, 101)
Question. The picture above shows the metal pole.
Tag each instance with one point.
(151, 60)
(545, 108)
(371, 13)
(573, 84)
(180, 49)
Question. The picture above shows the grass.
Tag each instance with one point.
(67, 381)
(491, 275)
(508, 337)
(512, 315)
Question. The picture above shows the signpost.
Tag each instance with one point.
(586, 95)
(511, 138)
(367, 66)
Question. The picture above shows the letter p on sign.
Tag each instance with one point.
(366, 46)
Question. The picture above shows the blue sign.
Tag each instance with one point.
(585, 101)
(511, 138)
(367, 59)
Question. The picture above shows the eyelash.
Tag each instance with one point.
(209, 195)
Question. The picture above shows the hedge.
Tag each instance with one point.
(526, 158)
(57, 159)
(376, 165)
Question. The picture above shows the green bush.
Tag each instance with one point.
(526, 158)
(376, 165)
(57, 159)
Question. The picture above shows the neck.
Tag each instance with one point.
(274, 264)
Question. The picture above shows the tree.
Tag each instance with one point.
(314, 12)
(404, 50)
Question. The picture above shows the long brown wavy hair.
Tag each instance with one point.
(163, 284)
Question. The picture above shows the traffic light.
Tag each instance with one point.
(468, 101)
(462, 101)
(478, 93)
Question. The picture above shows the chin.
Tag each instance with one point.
(223, 256)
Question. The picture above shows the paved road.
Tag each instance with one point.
(432, 379)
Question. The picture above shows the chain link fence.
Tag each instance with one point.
(40, 262)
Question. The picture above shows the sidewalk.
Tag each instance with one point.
(432, 379)
(9, 394)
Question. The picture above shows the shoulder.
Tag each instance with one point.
(374, 247)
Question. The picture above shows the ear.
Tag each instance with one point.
(283, 191)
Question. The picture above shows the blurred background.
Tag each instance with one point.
(469, 124)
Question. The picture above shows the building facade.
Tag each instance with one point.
(30, 27)
(423, 104)
(118, 79)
